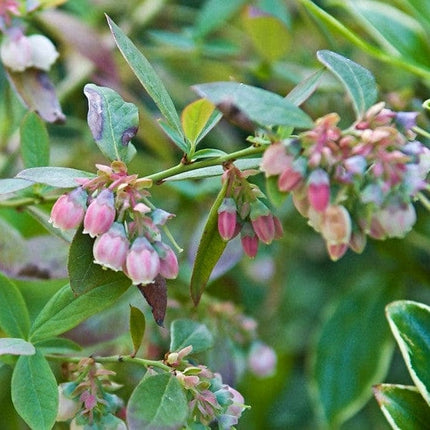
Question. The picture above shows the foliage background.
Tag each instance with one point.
(309, 309)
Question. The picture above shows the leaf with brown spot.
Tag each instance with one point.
(156, 296)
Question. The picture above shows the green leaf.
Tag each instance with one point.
(207, 172)
(58, 177)
(195, 117)
(214, 14)
(419, 8)
(34, 141)
(208, 153)
(263, 107)
(184, 332)
(147, 77)
(352, 353)
(34, 391)
(157, 403)
(357, 80)
(16, 346)
(137, 327)
(177, 138)
(11, 185)
(113, 122)
(84, 275)
(410, 322)
(65, 311)
(269, 34)
(396, 32)
(14, 318)
(403, 406)
(210, 249)
(58, 345)
(302, 91)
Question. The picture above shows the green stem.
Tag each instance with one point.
(421, 131)
(182, 168)
(113, 359)
(26, 201)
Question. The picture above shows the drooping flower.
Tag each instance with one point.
(110, 249)
(319, 190)
(100, 214)
(68, 211)
(142, 263)
(227, 218)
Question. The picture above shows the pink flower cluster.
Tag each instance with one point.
(355, 182)
(115, 211)
(243, 212)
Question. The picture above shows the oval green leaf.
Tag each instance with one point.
(157, 403)
(58, 177)
(185, 332)
(269, 35)
(209, 251)
(410, 322)
(16, 346)
(357, 80)
(403, 406)
(113, 122)
(34, 142)
(34, 391)
(260, 106)
(14, 317)
(194, 118)
(65, 311)
(11, 185)
(137, 327)
(352, 353)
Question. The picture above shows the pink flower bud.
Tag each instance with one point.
(319, 190)
(227, 218)
(336, 225)
(292, 177)
(275, 160)
(68, 211)
(249, 241)
(100, 214)
(110, 249)
(262, 360)
(358, 241)
(142, 263)
(336, 251)
(264, 228)
(168, 262)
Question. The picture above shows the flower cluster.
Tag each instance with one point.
(211, 401)
(87, 400)
(115, 211)
(243, 212)
(355, 182)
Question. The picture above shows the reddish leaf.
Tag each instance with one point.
(156, 296)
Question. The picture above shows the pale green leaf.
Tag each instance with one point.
(137, 327)
(34, 142)
(59, 177)
(184, 332)
(16, 346)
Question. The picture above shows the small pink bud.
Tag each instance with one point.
(249, 241)
(142, 263)
(100, 214)
(358, 241)
(238, 404)
(262, 360)
(68, 211)
(168, 262)
(264, 228)
(292, 177)
(227, 218)
(397, 219)
(110, 249)
(319, 190)
(336, 251)
(275, 160)
(336, 225)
